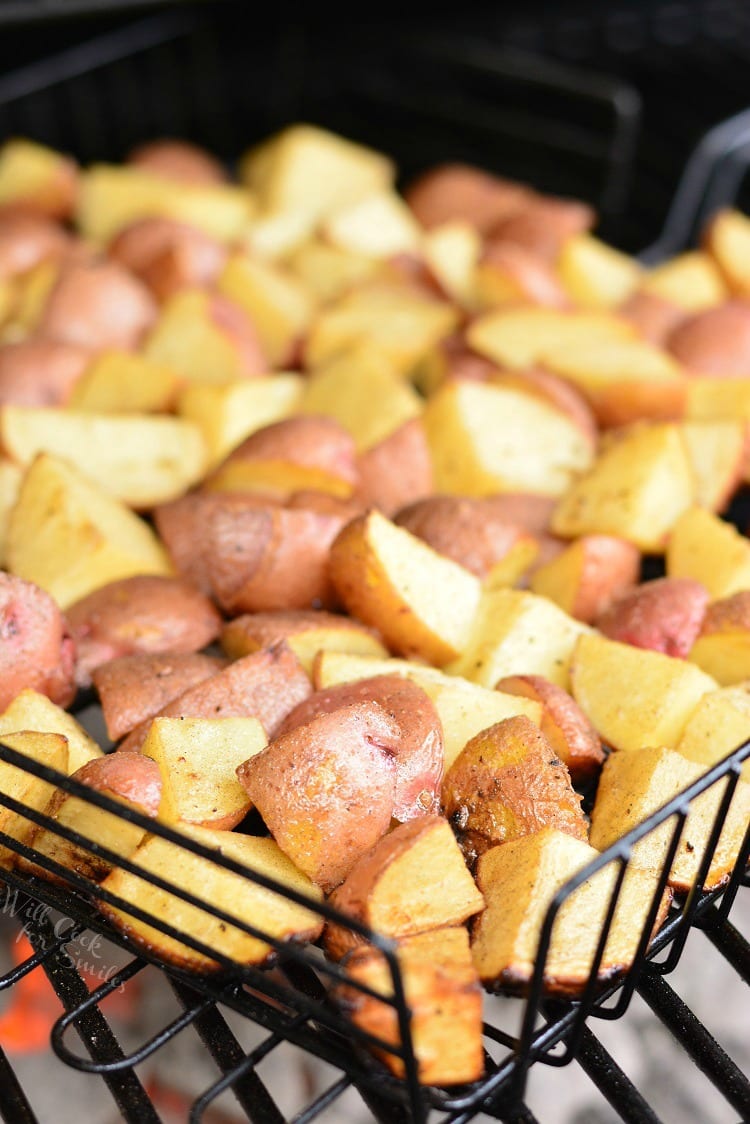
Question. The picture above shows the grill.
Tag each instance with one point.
(182, 72)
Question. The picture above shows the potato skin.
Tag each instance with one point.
(182, 526)
(419, 751)
(178, 160)
(36, 649)
(249, 631)
(465, 529)
(270, 558)
(145, 613)
(397, 470)
(716, 341)
(654, 317)
(265, 685)
(133, 689)
(543, 224)
(459, 191)
(168, 255)
(526, 271)
(40, 372)
(125, 775)
(664, 615)
(326, 789)
(26, 240)
(508, 782)
(97, 305)
(566, 727)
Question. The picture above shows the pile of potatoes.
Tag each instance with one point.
(338, 500)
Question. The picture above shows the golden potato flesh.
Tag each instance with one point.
(719, 724)
(422, 603)
(45, 749)
(32, 711)
(635, 697)
(443, 995)
(235, 894)
(633, 785)
(704, 547)
(391, 888)
(520, 879)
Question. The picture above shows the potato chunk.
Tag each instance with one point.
(654, 697)
(633, 785)
(508, 782)
(422, 603)
(326, 790)
(45, 749)
(391, 888)
(443, 994)
(236, 894)
(520, 879)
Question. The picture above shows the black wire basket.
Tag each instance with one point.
(183, 73)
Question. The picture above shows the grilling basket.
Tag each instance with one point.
(182, 73)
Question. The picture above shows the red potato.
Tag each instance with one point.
(129, 778)
(97, 305)
(715, 342)
(323, 503)
(454, 359)
(510, 272)
(181, 525)
(145, 613)
(40, 372)
(239, 329)
(133, 689)
(307, 452)
(664, 615)
(36, 649)
(168, 255)
(585, 576)
(413, 273)
(418, 751)
(178, 160)
(265, 685)
(543, 225)
(467, 530)
(326, 790)
(269, 558)
(398, 470)
(459, 191)
(565, 726)
(654, 317)
(27, 240)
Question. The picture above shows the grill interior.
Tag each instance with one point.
(558, 100)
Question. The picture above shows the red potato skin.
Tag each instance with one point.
(398, 470)
(464, 529)
(459, 191)
(129, 776)
(270, 558)
(168, 255)
(310, 441)
(566, 727)
(180, 161)
(654, 317)
(664, 615)
(145, 613)
(265, 685)
(543, 225)
(36, 649)
(97, 305)
(715, 342)
(183, 524)
(531, 274)
(326, 789)
(419, 753)
(27, 240)
(133, 689)
(40, 372)
(611, 567)
(460, 362)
